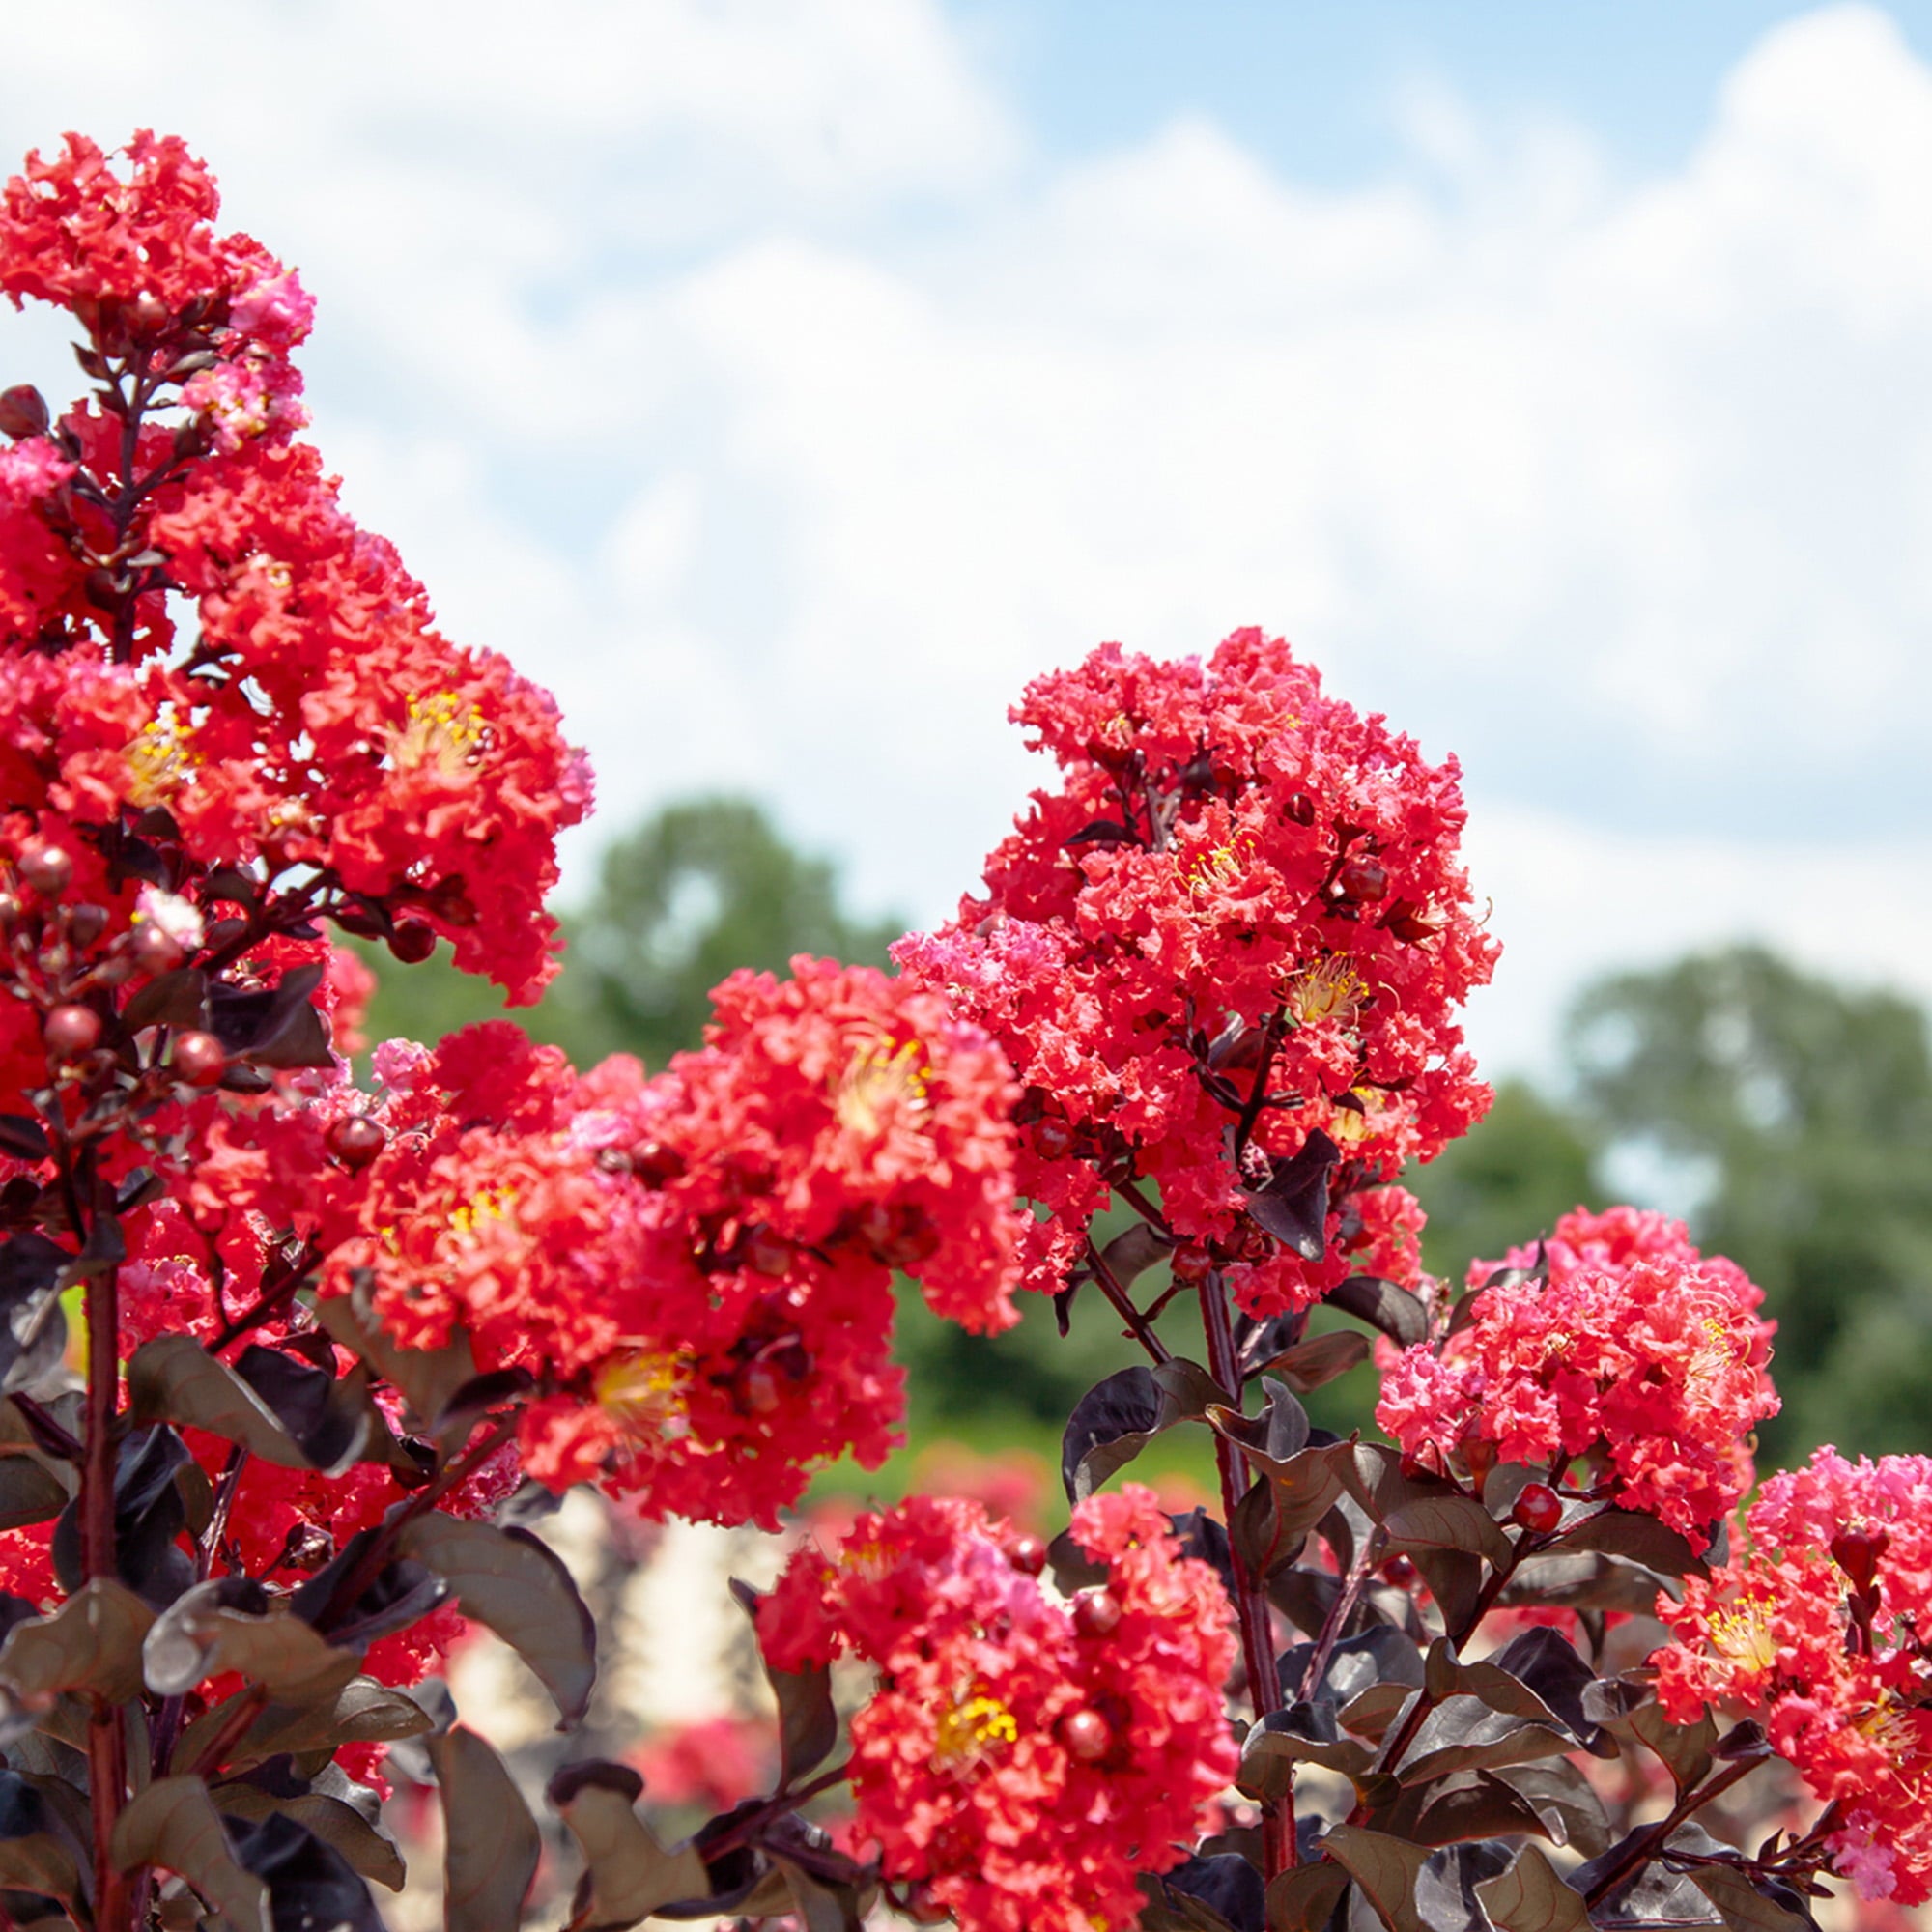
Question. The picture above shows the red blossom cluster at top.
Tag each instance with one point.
(1634, 1346)
(314, 726)
(1021, 1758)
(1823, 1625)
(1226, 955)
(694, 1271)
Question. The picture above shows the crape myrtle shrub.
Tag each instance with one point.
(328, 1342)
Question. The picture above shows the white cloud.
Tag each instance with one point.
(742, 371)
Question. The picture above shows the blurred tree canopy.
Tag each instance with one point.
(703, 887)
(1804, 1111)
(1797, 1113)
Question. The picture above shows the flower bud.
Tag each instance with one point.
(1363, 880)
(72, 1031)
(155, 951)
(1190, 1263)
(412, 941)
(1857, 1553)
(355, 1140)
(199, 1059)
(85, 923)
(1087, 1735)
(1401, 1572)
(23, 412)
(1027, 1553)
(1096, 1613)
(758, 1388)
(46, 868)
(1538, 1508)
(1052, 1140)
(655, 1164)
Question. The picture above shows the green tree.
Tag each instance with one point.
(1528, 1160)
(1804, 1112)
(703, 887)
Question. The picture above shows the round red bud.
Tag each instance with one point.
(355, 1140)
(9, 908)
(653, 1163)
(412, 941)
(1096, 1613)
(199, 1059)
(1052, 1140)
(1085, 1735)
(72, 1031)
(1856, 1553)
(85, 923)
(1538, 1508)
(154, 951)
(1027, 1553)
(1190, 1261)
(1401, 1572)
(1364, 880)
(23, 410)
(767, 1251)
(46, 868)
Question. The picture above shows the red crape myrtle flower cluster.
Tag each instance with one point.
(1021, 1758)
(343, 1339)
(1620, 1340)
(1226, 955)
(1823, 1627)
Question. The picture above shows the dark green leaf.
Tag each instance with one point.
(173, 1823)
(1529, 1897)
(490, 1843)
(1384, 1305)
(507, 1579)
(628, 1873)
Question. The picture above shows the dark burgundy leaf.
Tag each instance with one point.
(1638, 1539)
(1101, 832)
(1378, 1656)
(1294, 1205)
(277, 1027)
(1384, 1305)
(1548, 1664)
(311, 1885)
(149, 1515)
(23, 1137)
(1228, 1884)
(178, 999)
(1111, 1424)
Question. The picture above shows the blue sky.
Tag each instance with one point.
(784, 382)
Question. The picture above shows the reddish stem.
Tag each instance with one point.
(1251, 1606)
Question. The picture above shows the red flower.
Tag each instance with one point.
(1239, 881)
(1822, 1626)
(1637, 1346)
(1019, 1771)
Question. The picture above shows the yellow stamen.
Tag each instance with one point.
(643, 1394)
(972, 1728)
(884, 1077)
(1330, 989)
(1741, 1635)
(161, 759)
(443, 730)
(1218, 867)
